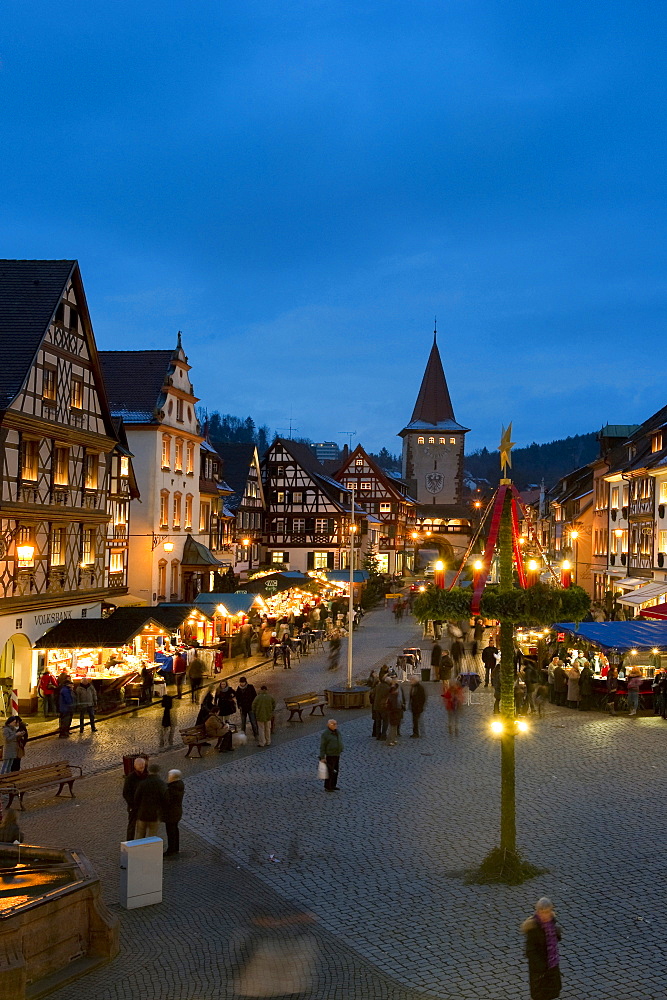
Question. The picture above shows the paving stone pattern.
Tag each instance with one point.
(363, 896)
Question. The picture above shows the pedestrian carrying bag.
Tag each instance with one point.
(322, 770)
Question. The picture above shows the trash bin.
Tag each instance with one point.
(128, 761)
(426, 673)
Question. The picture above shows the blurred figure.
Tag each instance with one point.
(218, 730)
(9, 828)
(495, 680)
(612, 688)
(334, 650)
(86, 703)
(542, 937)
(168, 720)
(150, 800)
(196, 672)
(281, 958)
(453, 697)
(395, 713)
(21, 743)
(264, 706)
(489, 659)
(436, 656)
(173, 810)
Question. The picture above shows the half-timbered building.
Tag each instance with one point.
(67, 476)
(242, 472)
(387, 498)
(170, 560)
(308, 513)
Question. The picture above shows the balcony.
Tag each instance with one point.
(642, 505)
(119, 531)
(117, 581)
(91, 499)
(60, 495)
(57, 580)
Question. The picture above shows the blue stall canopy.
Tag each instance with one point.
(636, 634)
(343, 575)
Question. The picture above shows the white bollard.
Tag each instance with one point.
(141, 872)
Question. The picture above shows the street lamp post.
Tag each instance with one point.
(246, 542)
(574, 536)
(350, 614)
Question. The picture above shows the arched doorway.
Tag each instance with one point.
(15, 668)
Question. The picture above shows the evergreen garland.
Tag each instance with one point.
(540, 605)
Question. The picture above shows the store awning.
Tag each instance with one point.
(118, 629)
(648, 592)
(196, 554)
(657, 611)
(343, 575)
(127, 601)
(233, 604)
(636, 634)
(628, 582)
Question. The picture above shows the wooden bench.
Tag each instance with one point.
(298, 702)
(17, 783)
(195, 737)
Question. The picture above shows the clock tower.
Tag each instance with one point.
(433, 442)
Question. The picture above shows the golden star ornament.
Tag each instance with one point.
(505, 447)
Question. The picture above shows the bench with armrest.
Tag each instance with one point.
(298, 702)
(17, 783)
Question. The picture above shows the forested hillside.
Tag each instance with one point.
(536, 462)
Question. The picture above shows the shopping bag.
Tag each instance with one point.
(322, 771)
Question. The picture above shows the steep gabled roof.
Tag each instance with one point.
(390, 484)
(641, 439)
(236, 461)
(433, 408)
(304, 456)
(30, 291)
(134, 382)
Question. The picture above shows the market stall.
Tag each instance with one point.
(638, 646)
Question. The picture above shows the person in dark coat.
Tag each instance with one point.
(132, 780)
(496, 681)
(379, 694)
(173, 810)
(395, 714)
(224, 699)
(207, 703)
(560, 684)
(245, 695)
(417, 703)
(489, 654)
(150, 799)
(542, 937)
(446, 667)
(331, 747)
(65, 708)
(457, 652)
(436, 657)
(585, 687)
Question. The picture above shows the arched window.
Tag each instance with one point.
(420, 440)
(431, 440)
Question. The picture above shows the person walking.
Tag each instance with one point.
(168, 720)
(245, 695)
(21, 743)
(331, 747)
(264, 706)
(47, 690)
(86, 703)
(453, 698)
(196, 672)
(173, 810)
(489, 659)
(10, 736)
(395, 713)
(417, 704)
(542, 936)
(457, 652)
(66, 704)
(180, 671)
(286, 650)
(132, 780)
(446, 668)
(150, 800)
(496, 682)
(436, 657)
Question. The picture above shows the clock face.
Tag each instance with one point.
(434, 482)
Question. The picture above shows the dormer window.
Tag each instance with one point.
(632, 451)
(656, 442)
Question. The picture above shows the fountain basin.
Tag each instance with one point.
(54, 924)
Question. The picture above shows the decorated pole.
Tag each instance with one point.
(507, 779)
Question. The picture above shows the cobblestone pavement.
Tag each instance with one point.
(363, 889)
(137, 732)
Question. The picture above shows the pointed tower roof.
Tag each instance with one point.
(433, 409)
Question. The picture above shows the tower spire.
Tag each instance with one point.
(434, 405)
(435, 330)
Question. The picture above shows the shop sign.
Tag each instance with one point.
(270, 585)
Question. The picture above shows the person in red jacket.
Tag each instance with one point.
(180, 668)
(47, 687)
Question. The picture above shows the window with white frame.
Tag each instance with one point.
(366, 484)
(61, 467)
(431, 440)
(188, 511)
(385, 508)
(320, 560)
(662, 541)
(178, 455)
(58, 547)
(278, 557)
(443, 441)
(322, 525)
(166, 451)
(204, 516)
(297, 498)
(663, 492)
(298, 525)
(614, 498)
(177, 510)
(280, 526)
(190, 459)
(359, 461)
(164, 510)
(88, 546)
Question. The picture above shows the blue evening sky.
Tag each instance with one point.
(300, 185)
